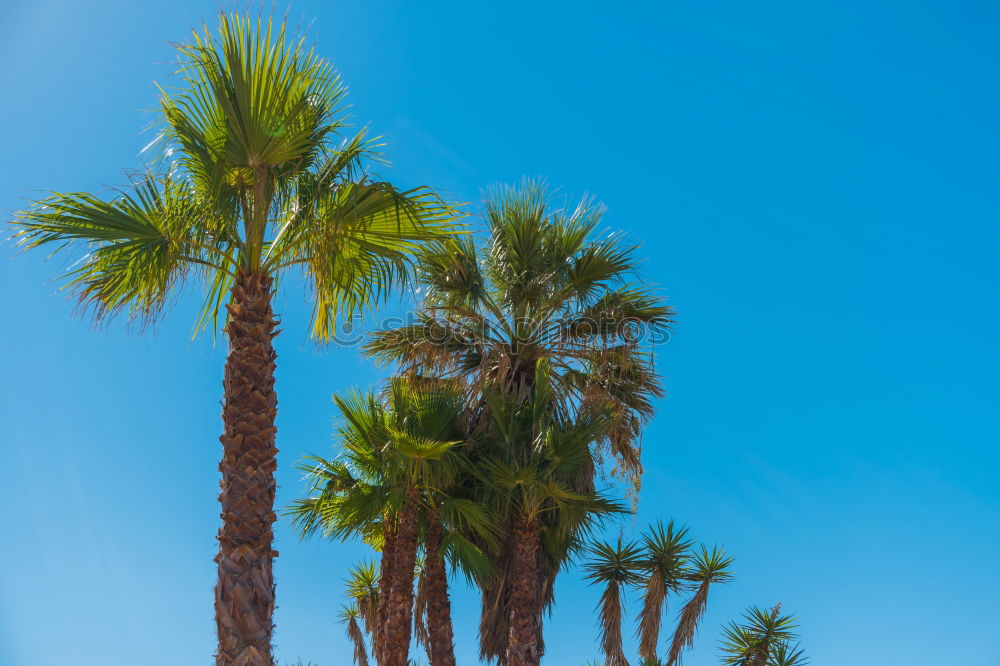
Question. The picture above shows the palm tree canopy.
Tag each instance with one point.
(253, 172)
(542, 288)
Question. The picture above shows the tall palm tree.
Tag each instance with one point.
(665, 552)
(255, 178)
(543, 290)
(707, 568)
(762, 639)
(616, 567)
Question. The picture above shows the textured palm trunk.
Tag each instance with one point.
(386, 580)
(400, 611)
(524, 641)
(244, 593)
(441, 651)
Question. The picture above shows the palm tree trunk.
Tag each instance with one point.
(441, 636)
(400, 617)
(386, 580)
(244, 594)
(524, 641)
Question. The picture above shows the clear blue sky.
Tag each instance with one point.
(817, 186)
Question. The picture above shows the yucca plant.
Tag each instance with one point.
(616, 567)
(255, 177)
(706, 568)
(762, 639)
(665, 554)
(349, 616)
(363, 592)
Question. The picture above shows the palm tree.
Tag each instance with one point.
(763, 639)
(665, 554)
(544, 495)
(254, 179)
(399, 452)
(616, 567)
(542, 291)
(708, 568)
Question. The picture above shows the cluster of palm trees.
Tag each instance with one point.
(522, 368)
(521, 380)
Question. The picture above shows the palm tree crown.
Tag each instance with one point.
(254, 175)
(542, 288)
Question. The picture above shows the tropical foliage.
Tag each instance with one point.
(543, 325)
(519, 391)
(255, 174)
(763, 638)
(663, 564)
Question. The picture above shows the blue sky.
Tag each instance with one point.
(816, 187)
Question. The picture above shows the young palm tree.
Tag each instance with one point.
(399, 452)
(662, 566)
(542, 291)
(256, 180)
(707, 568)
(616, 566)
(543, 494)
(763, 639)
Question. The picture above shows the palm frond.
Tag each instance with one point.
(138, 246)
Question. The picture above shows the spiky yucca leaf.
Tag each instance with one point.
(615, 566)
(706, 568)
(761, 639)
(349, 618)
(666, 551)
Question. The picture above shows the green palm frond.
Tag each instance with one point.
(140, 245)
(254, 171)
